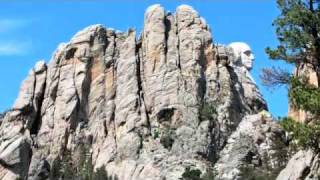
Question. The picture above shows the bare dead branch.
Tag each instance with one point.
(274, 77)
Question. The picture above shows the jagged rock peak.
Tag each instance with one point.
(147, 108)
(185, 7)
(153, 7)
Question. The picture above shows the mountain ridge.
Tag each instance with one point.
(153, 107)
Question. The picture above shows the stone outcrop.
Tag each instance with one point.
(258, 143)
(305, 164)
(20, 123)
(146, 108)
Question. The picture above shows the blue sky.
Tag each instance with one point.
(31, 31)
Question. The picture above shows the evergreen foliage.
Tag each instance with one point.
(68, 171)
(156, 134)
(207, 111)
(66, 168)
(252, 173)
(55, 169)
(195, 174)
(305, 135)
(305, 96)
(167, 138)
(101, 174)
(209, 175)
(297, 29)
(191, 174)
(298, 32)
(85, 171)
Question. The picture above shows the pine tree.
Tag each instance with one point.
(101, 174)
(85, 171)
(298, 32)
(55, 171)
(298, 29)
(67, 170)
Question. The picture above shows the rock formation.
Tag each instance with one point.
(305, 164)
(147, 108)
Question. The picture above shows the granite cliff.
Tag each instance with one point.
(156, 107)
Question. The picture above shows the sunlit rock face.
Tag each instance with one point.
(241, 60)
(145, 108)
(243, 55)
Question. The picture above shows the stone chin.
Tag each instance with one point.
(243, 54)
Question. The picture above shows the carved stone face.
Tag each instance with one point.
(243, 54)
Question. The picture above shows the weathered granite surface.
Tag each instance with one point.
(305, 164)
(147, 108)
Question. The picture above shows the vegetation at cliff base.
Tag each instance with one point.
(195, 174)
(66, 167)
(306, 136)
(207, 111)
(252, 173)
